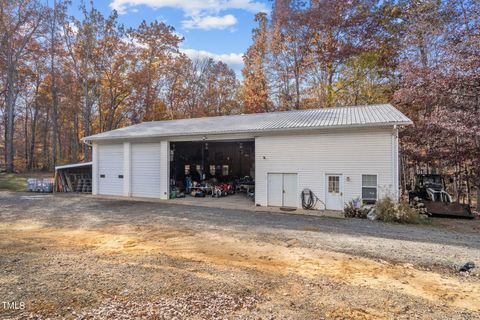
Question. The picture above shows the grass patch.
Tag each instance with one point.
(13, 182)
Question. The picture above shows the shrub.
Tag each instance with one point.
(389, 211)
(385, 210)
(352, 210)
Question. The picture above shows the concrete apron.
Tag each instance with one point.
(233, 202)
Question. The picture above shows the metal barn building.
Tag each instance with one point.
(339, 153)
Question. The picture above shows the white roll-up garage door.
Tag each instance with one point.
(110, 169)
(145, 170)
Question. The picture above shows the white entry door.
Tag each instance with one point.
(282, 190)
(290, 195)
(275, 189)
(334, 189)
(110, 169)
(145, 170)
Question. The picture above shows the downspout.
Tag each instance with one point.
(395, 164)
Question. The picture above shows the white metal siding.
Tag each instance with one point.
(312, 156)
(164, 169)
(110, 165)
(145, 170)
(94, 169)
(127, 155)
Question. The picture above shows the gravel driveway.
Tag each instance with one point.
(105, 256)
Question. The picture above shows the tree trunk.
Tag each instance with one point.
(330, 72)
(86, 120)
(5, 136)
(478, 197)
(25, 134)
(55, 137)
(33, 138)
(297, 82)
(10, 106)
(86, 133)
(73, 138)
(110, 117)
(111, 110)
(422, 50)
(33, 126)
(45, 153)
(469, 188)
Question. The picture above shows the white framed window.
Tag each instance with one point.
(369, 188)
(333, 184)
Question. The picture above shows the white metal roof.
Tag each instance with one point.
(74, 165)
(344, 117)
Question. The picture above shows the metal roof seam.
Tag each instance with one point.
(275, 121)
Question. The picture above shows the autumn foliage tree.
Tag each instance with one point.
(422, 56)
(20, 21)
(440, 91)
(64, 78)
(254, 92)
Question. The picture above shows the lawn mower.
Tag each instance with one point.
(222, 189)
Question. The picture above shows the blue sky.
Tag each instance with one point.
(220, 29)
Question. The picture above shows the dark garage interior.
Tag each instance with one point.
(212, 168)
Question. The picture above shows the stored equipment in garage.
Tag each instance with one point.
(212, 168)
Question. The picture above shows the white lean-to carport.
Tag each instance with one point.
(339, 153)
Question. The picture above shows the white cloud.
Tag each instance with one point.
(233, 60)
(210, 22)
(192, 7)
(202, 14)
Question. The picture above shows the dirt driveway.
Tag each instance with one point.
(80, 257)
